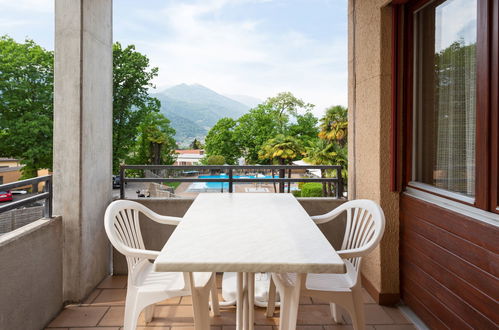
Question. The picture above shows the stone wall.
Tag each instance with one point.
(31, 275)
(369, 132)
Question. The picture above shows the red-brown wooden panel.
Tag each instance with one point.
(472, 299)
(422, 311)
(447, 264)
(478, 256)
(477, 232)
(432, 303)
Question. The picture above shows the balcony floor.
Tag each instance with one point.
(104, 308)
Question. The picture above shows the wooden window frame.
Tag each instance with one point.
(487, 117)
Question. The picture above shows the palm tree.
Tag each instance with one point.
(323, 153)
(281, 150)
(334, 125)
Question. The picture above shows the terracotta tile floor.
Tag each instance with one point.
(104, 307)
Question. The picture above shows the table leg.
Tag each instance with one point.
(245, 302)
(251, 301)
(239, 303)
(290, 298)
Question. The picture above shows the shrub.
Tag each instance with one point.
(296, 193)
(311, 189)
(215, 160)
(300, 185)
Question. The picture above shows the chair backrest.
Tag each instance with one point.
(121, 222)
(365, 225)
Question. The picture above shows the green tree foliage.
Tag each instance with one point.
(283, 114)
(214, 160)
(26, 102)
(281, 150)
(284, 105)
(132, 104)
(155, 143)
(322, 152)
(221, 140)
(253, 130)
(196, 145)
(26, 98)
(305, 129)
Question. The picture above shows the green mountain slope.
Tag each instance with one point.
(194, 109)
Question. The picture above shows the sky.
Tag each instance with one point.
(247, 47)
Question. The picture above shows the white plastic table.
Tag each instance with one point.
(248, 233)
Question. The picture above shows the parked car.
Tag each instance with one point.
(5, 196)
(116, 181)
(19, 192)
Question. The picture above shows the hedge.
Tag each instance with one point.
(311, 189)
(296, 193)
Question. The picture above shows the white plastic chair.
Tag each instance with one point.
(365, 225)
(145, 286)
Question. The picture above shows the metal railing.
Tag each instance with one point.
(45, 195)
(229, 169)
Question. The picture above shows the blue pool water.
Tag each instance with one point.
(218, 185)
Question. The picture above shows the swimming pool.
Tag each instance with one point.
(225, 185)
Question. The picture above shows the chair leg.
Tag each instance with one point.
(271, 299)
(290, 299)
(200, 305)
(215, 306)
(148, 313)
(336, 313)
(131, 312)
(358, 320)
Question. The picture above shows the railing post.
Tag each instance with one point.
(231, 183)
(122, 182)
(281, 176)
(339, 183)
(47, 212)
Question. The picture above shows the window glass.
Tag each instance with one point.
(445, 95)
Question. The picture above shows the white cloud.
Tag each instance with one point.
(241, 57)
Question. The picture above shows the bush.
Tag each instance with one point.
(311, 189)
(300, 185)
(296, 193)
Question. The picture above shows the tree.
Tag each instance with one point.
(221, 140)
(214, 160)
(320, 152)
(131, 102)
(253, 130)
(281, 150)
(285, 104)
(26, 104)
(334, 125)
(155, 144)
(305, 129)
(196, 145)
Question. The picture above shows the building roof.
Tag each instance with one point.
(190, 151)
(8, 159)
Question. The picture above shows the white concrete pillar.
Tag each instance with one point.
(83, 139)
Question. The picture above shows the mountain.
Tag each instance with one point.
(249, 101)
(194, 109)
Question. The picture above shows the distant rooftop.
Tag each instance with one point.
(190, 151)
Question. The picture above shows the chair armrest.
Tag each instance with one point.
(139, 253)
(167, 220)
(163, 219)
(352, 253)
(320, 219)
